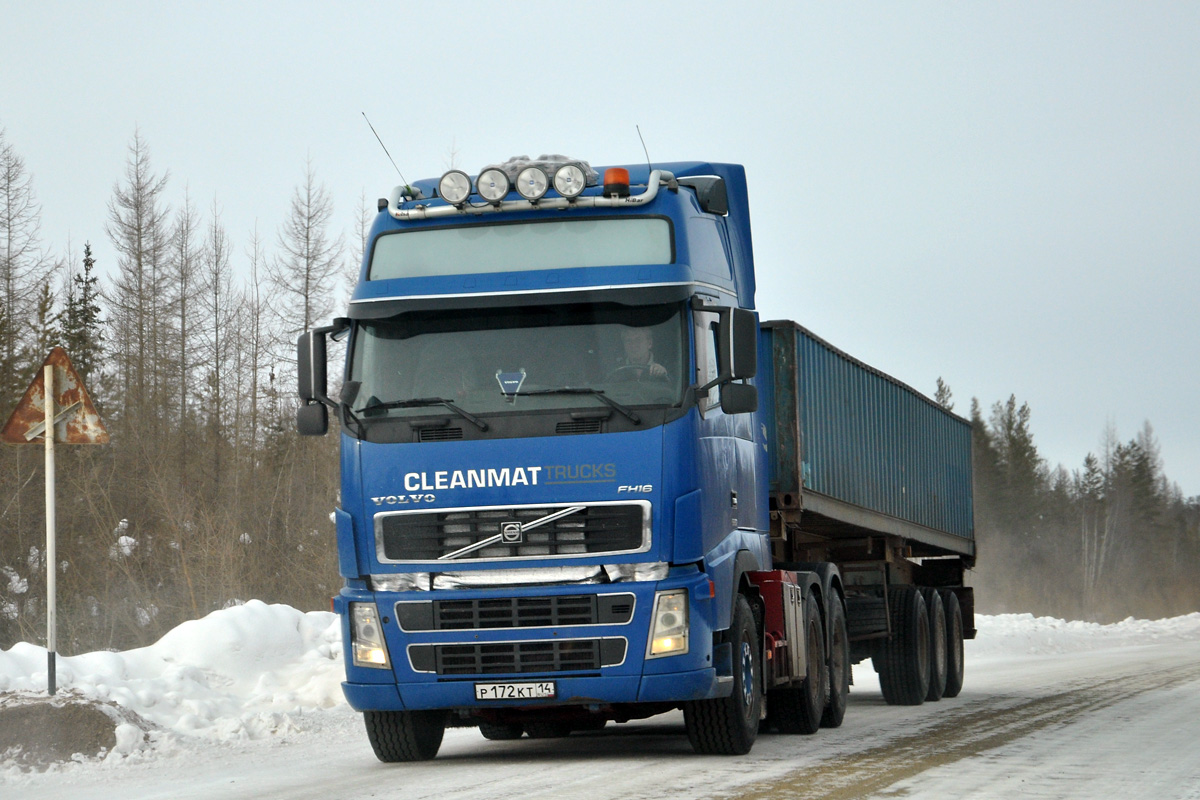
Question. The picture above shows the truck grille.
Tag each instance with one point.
(516, 531)
(510, 658)
(515, 612)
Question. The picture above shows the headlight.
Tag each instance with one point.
(532, 183)
(569, 181)
(492, 185)
(366, 637)
(455, 187)
(669, 626)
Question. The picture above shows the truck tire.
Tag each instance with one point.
(937, 644)
(798, 709)
(500, 731)
(839, 665)
(729, 725)
(955, 663)
(903, 660)
(405, 735)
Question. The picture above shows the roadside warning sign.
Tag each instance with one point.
(75, 418)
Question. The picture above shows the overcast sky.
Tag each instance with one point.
(1004, 195)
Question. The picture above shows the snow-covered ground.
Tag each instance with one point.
(246, 702)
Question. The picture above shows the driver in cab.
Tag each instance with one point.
(638, 362)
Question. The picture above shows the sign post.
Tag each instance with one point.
(51, 547)
(65, 413)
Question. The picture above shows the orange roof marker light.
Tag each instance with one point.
(616, 182)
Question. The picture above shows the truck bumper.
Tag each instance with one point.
(667, 687)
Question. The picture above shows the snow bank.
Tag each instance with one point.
(1014, 634)
(236, 674)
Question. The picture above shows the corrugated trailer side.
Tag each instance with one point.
(857, 452)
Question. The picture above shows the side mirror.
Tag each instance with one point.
(310, 367)
(312, 420)
(739, 398)
(739, 338)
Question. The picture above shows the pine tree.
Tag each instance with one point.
(82, 328)
(944, 397)
(45, 330)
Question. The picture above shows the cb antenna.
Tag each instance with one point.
(385, 150)
(645, 150)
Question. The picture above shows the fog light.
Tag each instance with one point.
(669, 625)
(569, 181)
(455, 187)
(532, 183)
(492, 185)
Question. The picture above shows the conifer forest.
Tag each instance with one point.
(207, 497)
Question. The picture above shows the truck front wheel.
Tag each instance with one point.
(405, 735)
(729, 725)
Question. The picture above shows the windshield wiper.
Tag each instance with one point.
(419, 402)
(598, 393)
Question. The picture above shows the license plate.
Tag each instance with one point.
(515, 691)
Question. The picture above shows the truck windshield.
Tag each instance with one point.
(522, 246)
(489, 361)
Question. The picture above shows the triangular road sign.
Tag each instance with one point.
(75, 418)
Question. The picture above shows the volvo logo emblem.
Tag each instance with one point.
(510, 532)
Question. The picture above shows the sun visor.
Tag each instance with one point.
(633, 295)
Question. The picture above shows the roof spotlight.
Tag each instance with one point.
(532, 183)
(492, 185)
(569, 181)
(455, 187)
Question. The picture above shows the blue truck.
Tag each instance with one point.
(583, 483)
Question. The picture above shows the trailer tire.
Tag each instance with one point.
(798, 709)
(903, 660)
(729, 725)
(955, 663)
(501, 731)
(405, 735)
(937, 645)
(839, 665)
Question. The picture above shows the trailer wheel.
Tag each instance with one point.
(798, 709)
(955, 663)
(839, 665)
(729, 725)
(903, 660)
(405, 735)
(937, 644)
(500, 731)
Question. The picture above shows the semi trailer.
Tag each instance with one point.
(582, 482)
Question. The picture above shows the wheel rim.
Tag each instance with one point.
(747, 676)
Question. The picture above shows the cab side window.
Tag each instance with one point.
(706, 360)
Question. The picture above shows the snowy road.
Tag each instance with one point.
(1044, 714)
